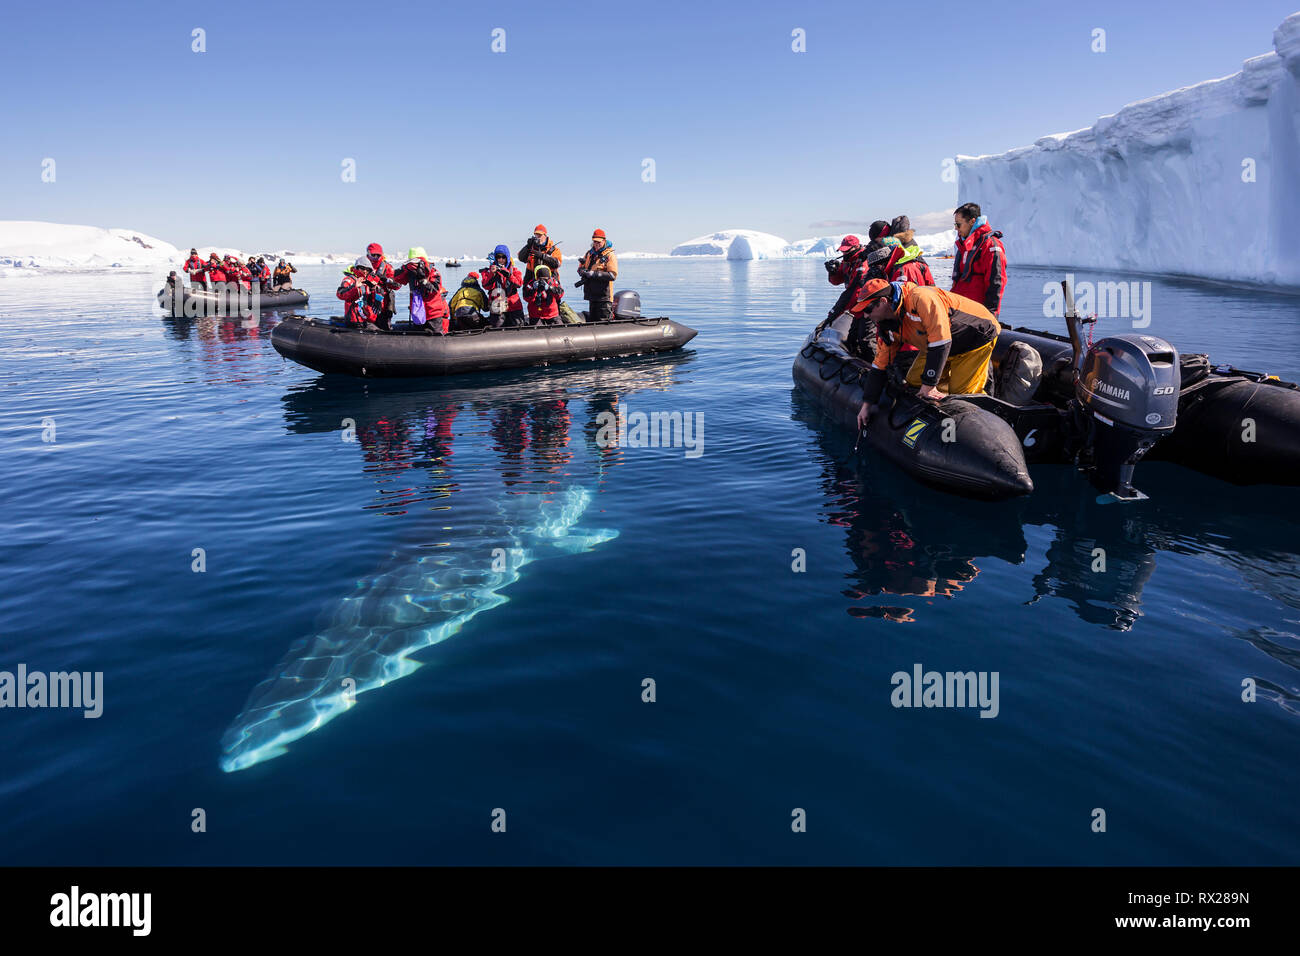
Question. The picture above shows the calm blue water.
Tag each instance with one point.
(327, 558)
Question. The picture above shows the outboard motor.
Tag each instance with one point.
(627, 304)
(1125, 400)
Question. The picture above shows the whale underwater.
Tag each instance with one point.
(410, 605)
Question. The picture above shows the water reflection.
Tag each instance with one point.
(910, 542)
(428, 589)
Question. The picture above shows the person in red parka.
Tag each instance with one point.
(543, 295)
(214, 271)
(364, 294)
(840, 269)
(979, 265)
(193, 267)
(504, 276)
(236, 271)
(428, 308)
(383, 272)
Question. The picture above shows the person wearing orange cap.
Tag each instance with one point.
(539, 251)
(954, 335)
(598, 270)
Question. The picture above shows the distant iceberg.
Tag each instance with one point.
(745, 244)
(735, 244)
(1203, 181)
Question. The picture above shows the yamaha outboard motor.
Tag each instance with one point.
(1125, 400)
(627, 305)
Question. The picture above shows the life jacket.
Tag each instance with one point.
(469, 294)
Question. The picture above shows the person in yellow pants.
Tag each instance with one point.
(954, 335)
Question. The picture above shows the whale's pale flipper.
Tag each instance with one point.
(414, 604)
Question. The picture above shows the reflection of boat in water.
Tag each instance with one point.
(902, 538)
(905, 541)
(485, 539)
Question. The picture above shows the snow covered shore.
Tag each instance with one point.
(29, 247)
(1203, 181)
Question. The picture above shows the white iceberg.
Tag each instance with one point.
(735, 244)
(750, 244)
(1202, 181)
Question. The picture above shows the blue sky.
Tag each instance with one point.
(458, 148)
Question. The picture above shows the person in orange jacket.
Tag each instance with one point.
(598, 269)
(953, 334)
(539, 251)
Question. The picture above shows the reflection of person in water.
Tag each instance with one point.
(550, 435)
(510, 440)
(610, 454)
(541, 428)
(888, 556)
(901, 537)
(392, 444)
(439, 433)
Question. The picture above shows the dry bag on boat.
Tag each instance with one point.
(568, 316)
(1019, 374)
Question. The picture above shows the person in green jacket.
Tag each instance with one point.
(468, 305)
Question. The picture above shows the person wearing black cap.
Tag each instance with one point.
(193, 267)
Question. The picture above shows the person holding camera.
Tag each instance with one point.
(543, 295)
(539, 251)
(502, 280)
(193, 267)
(598, 270)
(428, 308)
(364, 294)
(282, 277)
